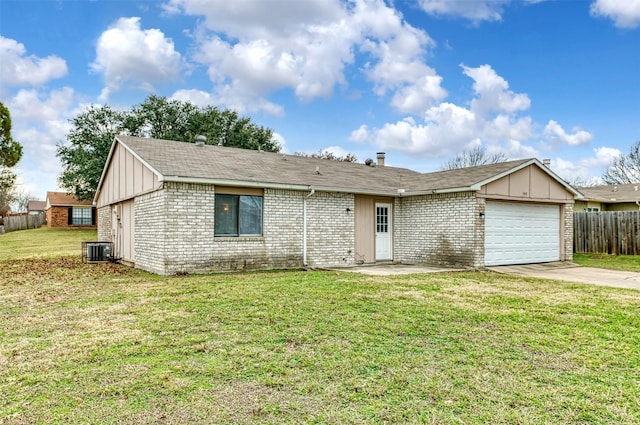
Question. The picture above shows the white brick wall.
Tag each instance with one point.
(175, 232)
(104, 224)
(568, 232)
(440, 229)
(150, 232)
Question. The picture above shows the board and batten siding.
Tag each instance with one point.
(126, 178)
(529, 184)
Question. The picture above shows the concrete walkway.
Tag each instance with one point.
(574, 273)
(393, 269)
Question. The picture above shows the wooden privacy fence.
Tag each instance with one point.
(22, 222)
(608, 232)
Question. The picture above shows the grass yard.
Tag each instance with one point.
(606, 261)
(106, 344)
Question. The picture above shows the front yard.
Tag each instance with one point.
(107, 344)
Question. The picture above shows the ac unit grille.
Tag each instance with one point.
(97, 252)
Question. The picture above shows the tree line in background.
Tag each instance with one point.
(10, 155)
(87, 146)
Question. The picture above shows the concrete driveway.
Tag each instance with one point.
(574, 273)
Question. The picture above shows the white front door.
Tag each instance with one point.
(383, 232)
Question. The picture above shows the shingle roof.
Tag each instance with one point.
(35, 206)
(64, 199)
(612, 193)
(185, 161)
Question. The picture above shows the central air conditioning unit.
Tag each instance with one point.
(97, 252)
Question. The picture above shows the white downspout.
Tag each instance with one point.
(304, 226)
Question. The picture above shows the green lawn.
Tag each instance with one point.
(605, 261)
(102, 343)
(44, 242)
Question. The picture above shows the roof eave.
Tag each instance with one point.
(271, 185)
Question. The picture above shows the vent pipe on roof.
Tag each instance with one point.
(546, 162)
(200, 140)
(381, 159)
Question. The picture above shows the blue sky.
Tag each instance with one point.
(421, 80)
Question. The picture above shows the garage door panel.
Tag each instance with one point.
(519, 233)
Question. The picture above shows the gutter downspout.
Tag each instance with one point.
(638, 204)
(304, 226)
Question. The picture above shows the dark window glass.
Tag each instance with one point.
(238, 215)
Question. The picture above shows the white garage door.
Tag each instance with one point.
(517, 233)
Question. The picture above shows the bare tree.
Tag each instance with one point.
(474, 157)
(624, 169)
(349, 157)
(21, 201)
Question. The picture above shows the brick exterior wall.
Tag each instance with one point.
(150, 237)
(104, 224)
(175, 232)
(568, 232)
(330, 229)
(59, 217)
(441, 229)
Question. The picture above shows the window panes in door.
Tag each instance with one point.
(382, 219)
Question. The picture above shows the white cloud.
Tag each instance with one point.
(624, 13)
(603, 157)
(582, 170)
(556, 135)
(448, 128)
(493, 94)
(252, 49)
(19, 69)
(197, 97)
(515, 149)
(475, 10)
(40, 122)
(28, 105)
(491, 120)
(281, 141)
(128, 55)
(360, 135)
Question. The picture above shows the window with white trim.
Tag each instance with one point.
(238, 215)
(81, 216)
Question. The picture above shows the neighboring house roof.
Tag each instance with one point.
(35, 206)
(63, 199)
(612, 194)
(186, 162)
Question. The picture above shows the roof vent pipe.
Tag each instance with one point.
(546, 163)
(381, 159)
(200, 140)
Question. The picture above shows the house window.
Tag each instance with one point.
(81, 216)
(593, 209)
(238, 215)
